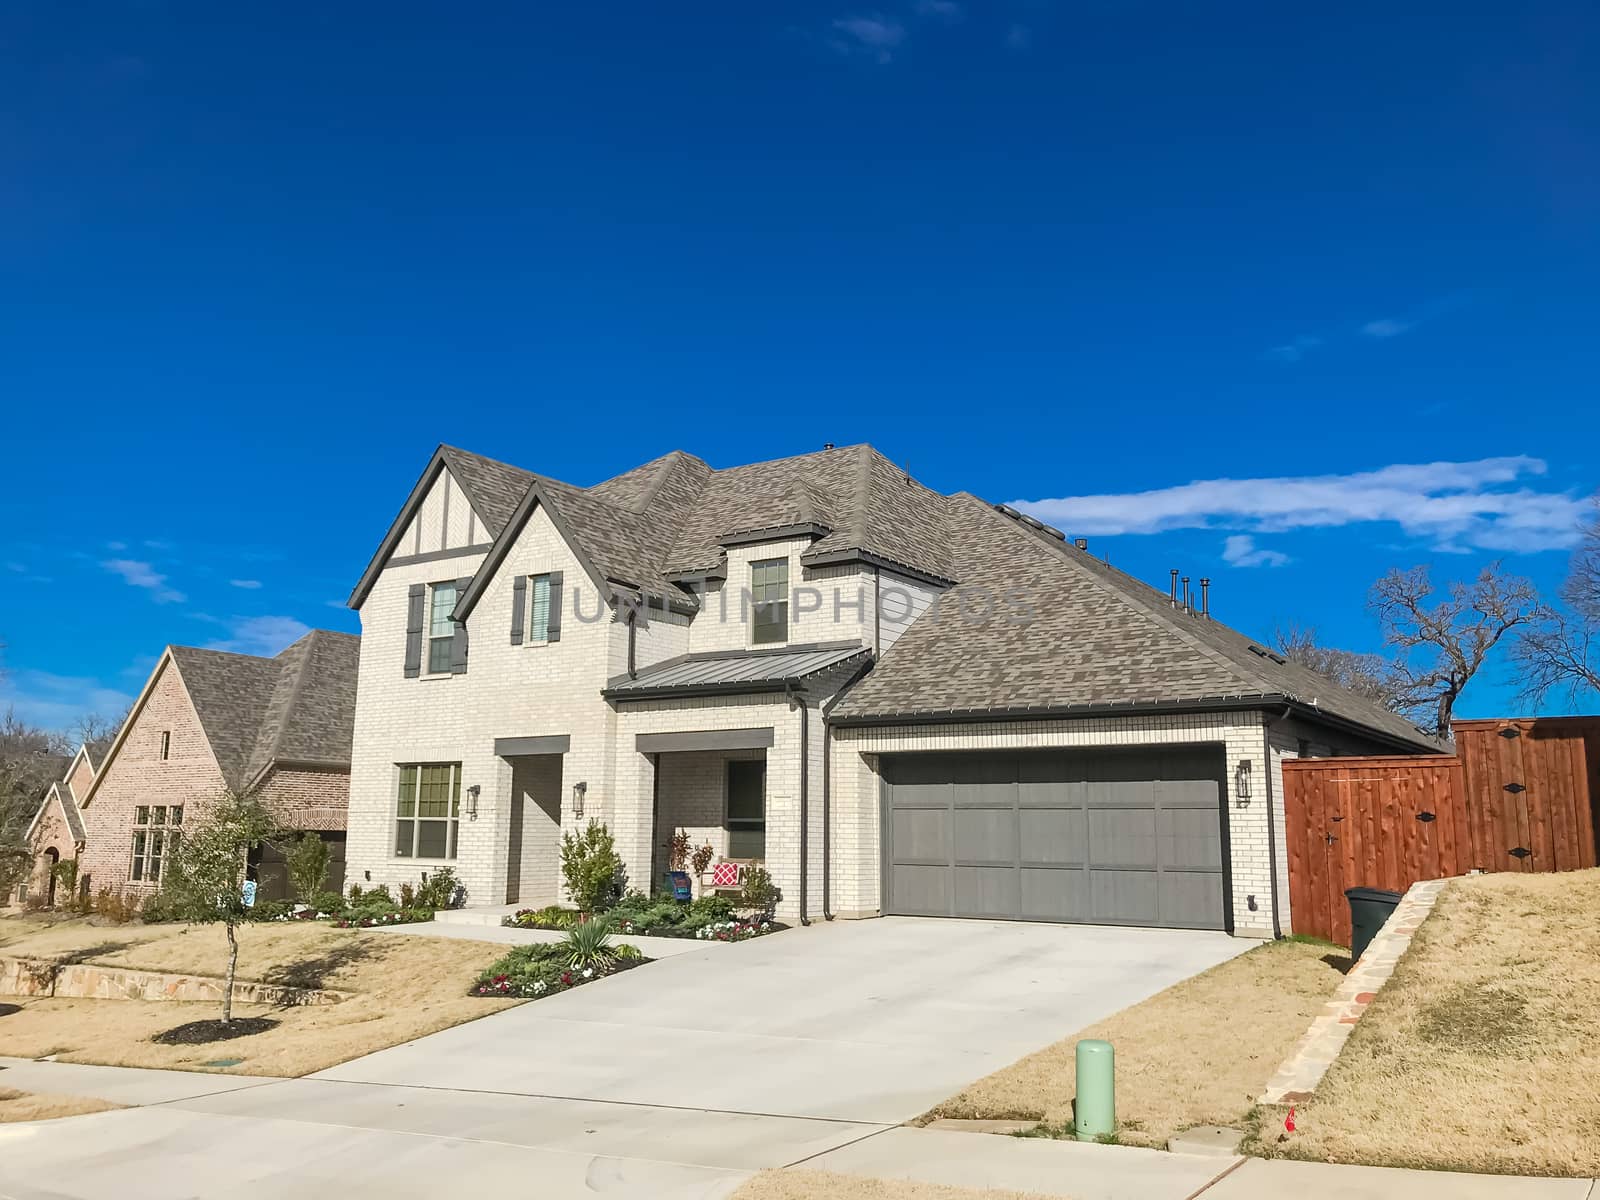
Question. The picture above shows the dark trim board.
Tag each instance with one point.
(513, 747)
(708, 739)
(405, 560)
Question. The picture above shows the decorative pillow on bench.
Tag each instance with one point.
(725, 875)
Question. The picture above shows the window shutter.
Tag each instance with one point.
(555, 607)
(458, 645)
(414, 602)
(519, 600)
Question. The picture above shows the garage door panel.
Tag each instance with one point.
(1130, 837)
(986, 835)
(1124, 897)
(986, 891)
(1054, 835)
(1189, 838)
(1054, 894)
(921, 835)
(922, 891)
(1122, 837)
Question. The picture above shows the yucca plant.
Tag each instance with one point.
(588, 944)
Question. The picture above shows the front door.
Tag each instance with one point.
(747, 809)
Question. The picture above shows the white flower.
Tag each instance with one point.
(588, 972)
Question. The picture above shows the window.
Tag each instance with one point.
(538, 608)
(155, 839)
(769, 587)
(441, 630)
(747, 809)
(427, 810)
(166, 744)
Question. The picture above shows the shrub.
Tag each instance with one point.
(355, 893)
(113, 904)
(542, 970)
(439, 889)
(588, 944)
(308, 865)
(678, 851)
(370, 918)
(270, 910)
(552, 916)
(759, 893)
(408, 895)
(376, 896)
(328, 902)
(592, 869)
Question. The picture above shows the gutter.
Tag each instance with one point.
(827, 791)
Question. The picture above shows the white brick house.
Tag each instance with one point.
(896, 701)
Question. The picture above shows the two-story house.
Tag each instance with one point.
(897, 701)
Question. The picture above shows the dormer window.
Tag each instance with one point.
(441, 631)
(769, 589)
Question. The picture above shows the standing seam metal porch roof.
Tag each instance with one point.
(729, 671)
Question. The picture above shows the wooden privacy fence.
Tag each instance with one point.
(1518, 795)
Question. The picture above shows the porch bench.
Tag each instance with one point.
(726, 876)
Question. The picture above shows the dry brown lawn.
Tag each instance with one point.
(1482, 1053)
(404, 987)
(1198, 1053)
(828, 1185)
(41, 1106)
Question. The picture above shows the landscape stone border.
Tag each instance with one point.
(44, 977)
(1308, 1062)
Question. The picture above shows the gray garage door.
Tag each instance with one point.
(1100, 837)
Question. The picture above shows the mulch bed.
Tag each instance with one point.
(198, 1033)
(7, 1009)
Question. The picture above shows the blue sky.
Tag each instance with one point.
(259, 259)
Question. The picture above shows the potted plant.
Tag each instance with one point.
(678, 882)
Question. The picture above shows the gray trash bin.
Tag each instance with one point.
(1369, 909)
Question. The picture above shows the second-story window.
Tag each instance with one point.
(441, 630)
(166, 744)
(539, 608)
(769, 587)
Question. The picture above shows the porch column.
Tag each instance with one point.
(633, 817)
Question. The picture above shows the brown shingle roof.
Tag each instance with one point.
(298, 706)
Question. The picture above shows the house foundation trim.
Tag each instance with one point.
(513, 747)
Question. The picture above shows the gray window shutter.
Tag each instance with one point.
(555, 607)
(519, 604)
(458, 645)
(415, 599)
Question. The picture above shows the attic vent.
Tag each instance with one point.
(1277, 658)
(1265, 653)
(1031, 522)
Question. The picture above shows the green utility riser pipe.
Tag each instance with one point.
(1096, 1107)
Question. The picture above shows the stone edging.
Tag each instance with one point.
(1299, 1074)
(67, 980)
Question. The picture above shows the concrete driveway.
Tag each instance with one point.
(673, 1080)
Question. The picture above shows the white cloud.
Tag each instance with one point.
(116, 547)
(1451, 505)
(58, 701)
(1293, 352)
(263, 636)
(1387, 328)
(1240, 551)
(247, 584)
(143, 575)
(873, 34)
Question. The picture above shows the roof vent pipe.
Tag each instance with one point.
(1081, 543)
(1188, 597)
(827, 445)
(1174, 587)
(1205, 597)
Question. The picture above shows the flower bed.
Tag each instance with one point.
(405, 916)
(542, 970)
(712, 918)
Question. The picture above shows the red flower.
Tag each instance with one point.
(566, 977)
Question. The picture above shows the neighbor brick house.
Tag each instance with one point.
(207, 721)
(56, 833)
(896, 701)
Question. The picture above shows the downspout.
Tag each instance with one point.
(1272, 824)
(796, 696)
(827, 817)
(877, 610)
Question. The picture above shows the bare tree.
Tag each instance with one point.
(98, 731)
(1369, 675)
(1441, 644)
(1557, 651)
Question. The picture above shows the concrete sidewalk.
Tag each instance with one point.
(121, 1085)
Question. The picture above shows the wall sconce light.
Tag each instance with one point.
(472, 801)
(1241, 781)
(578, 790)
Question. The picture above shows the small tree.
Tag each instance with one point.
(594, 873)
(1369, 675)
(308, 865)
(205, 879)
(1560, 650)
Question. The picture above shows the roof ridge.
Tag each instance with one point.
(785, 458)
